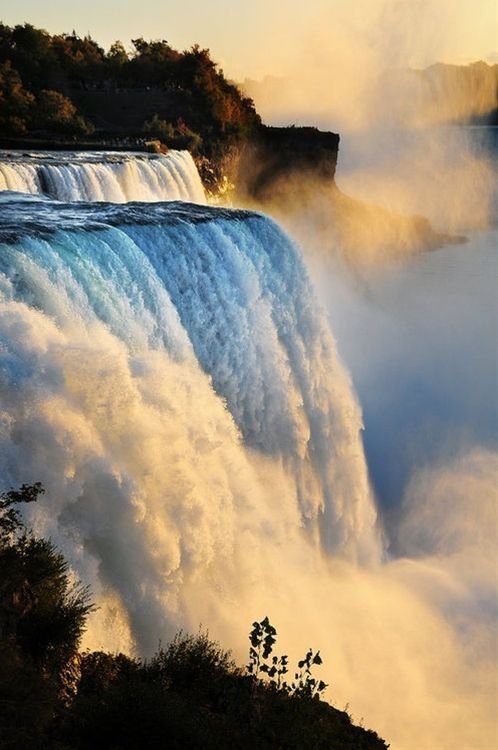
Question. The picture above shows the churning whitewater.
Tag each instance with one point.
(96, 176)
(167, 373)
(170, 378)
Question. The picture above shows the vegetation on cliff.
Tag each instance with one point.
(189, 695)
(63, 85)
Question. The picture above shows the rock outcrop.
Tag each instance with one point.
(275, 154)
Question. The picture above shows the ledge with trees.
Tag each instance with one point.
(188, 695)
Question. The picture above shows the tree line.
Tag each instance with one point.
(64, 84)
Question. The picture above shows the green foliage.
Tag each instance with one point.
(159, 128)
(262, 638)
(173, 136)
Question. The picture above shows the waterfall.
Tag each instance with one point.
(106, 176)
(168, 374)
(170, 378)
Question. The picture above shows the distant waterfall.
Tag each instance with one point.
(112, 177)
(169, 377)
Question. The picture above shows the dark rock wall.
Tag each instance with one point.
(276, 153)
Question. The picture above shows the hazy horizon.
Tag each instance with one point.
(261, 39)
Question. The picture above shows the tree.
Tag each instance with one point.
(42, 618)
(81, 59)
(116, 60)
(16, 104)
(174, 136)
(56, 112)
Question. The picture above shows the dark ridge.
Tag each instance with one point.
(276, 153)
(191, 694)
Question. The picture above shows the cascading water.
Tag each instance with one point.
(160, 363)
(166, 372)
(106, 176)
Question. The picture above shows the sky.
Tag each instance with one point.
(268, 36)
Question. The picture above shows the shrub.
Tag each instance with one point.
(262, 637)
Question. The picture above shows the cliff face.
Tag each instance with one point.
(274, 154)
(289, 173)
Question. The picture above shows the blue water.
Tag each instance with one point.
(226, 289)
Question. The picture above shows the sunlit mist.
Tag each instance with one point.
(283, 404)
